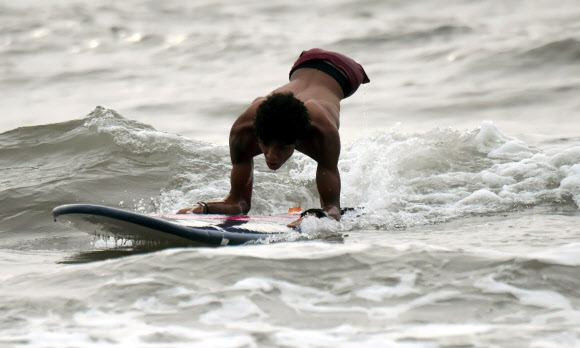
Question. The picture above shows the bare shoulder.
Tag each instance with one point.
(243, 143)
(323, 145)
(245, 121)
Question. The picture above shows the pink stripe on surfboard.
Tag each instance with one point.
(283, 217)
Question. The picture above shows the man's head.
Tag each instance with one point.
(281, 121)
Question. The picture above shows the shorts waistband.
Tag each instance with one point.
(328, 69)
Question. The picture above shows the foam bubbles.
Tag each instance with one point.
(378, 293)
(488, 138)
(232, 310)
(481, 197)
(570, 185)
(412, 179)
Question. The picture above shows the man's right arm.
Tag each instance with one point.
(243, 147)
(238, 201)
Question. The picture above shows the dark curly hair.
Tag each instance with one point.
(283, 118)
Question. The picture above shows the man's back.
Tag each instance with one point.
(321, 95)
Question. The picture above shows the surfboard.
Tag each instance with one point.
(173, 230)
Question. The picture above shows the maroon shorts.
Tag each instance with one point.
(350, 74)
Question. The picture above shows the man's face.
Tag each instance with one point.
(276, 154)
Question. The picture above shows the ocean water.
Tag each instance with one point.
(461, 159)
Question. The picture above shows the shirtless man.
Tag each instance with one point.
(302, 115)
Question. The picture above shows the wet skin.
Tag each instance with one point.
(321, 95)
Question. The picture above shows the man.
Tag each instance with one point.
(302, 115)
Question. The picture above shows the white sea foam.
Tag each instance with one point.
(563, 339)
(377, 293)
(442, 175)
(392, 312)
(570, 185)
(303, 298)
(304, 251)
(232, 310)
(443, 330)
(343, 337)
(567, 254)
(539, 298)
(152, 305)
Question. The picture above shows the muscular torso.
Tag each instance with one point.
(321, 95)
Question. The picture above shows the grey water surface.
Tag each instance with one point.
(461, 157)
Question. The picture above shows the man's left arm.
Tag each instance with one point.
(327, 175)
(328, 183)
(325, 151)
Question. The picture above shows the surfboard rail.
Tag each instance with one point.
(210, 230)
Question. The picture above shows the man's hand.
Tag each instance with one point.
(331, 212)
(196, 209)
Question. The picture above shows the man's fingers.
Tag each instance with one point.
(185, 211)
